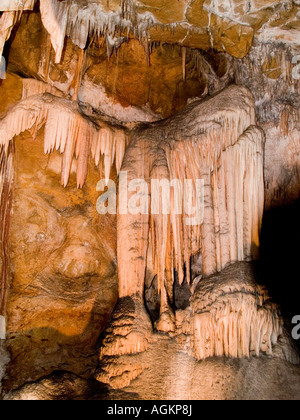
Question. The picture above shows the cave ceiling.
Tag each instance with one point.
(225, 25)
(147, 57)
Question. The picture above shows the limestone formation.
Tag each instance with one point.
(6, 183)
(230, 315)
(7, 22)
(61, 118)
(149, 191)
(213, 137)
(4, 359)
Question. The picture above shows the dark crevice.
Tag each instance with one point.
(278, 268)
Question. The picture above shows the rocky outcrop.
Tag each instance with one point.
(63, 283)
(269, 72)
(175, 375)
(229, 315)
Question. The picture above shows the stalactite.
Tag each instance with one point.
(78, 75)
(233, 193)
(66, 130)
(13, 5)
(12, 13)
(63, 19)
(233, 199)
(216, 142)
(55, 18)
(7, 22)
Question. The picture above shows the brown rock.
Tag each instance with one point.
(164, 11)
(63, 274)
(10, 92)
(272, 68)
(196, 15)
(129, 80)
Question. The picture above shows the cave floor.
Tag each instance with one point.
(173, 375)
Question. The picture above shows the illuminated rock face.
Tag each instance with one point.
(16, 5)
(226, 318)
(230, 315)
(206, 142)
(63, 277)
(222, 25)
(159, 91)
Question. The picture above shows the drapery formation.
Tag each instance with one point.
(215, 141)
(232, 316)
(7, 22)
(63, 19)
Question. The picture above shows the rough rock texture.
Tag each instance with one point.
(126, 86)
(62, 256)
(4, 359)
(225, 25)
(167, 371)
(213, 379)
(67, 386)
(230, 315)
(174, 375)
(11, 92)
(269, 72)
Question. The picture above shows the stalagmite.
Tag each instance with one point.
(66, 130)
(230, 315)
(233, 317)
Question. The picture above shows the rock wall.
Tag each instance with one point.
(270, 74)
(63, 284)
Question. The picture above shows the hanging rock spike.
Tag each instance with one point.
(67, 131)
